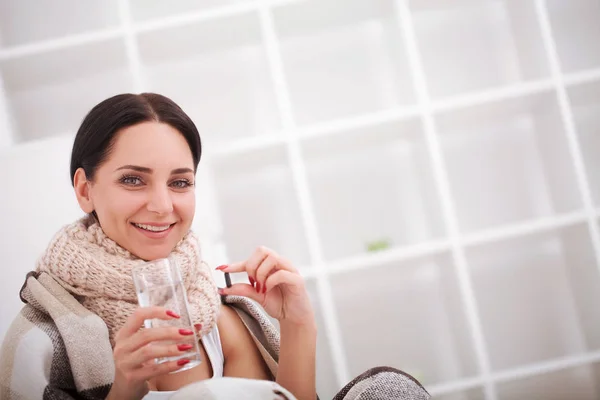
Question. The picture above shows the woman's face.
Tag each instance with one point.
(143, 193)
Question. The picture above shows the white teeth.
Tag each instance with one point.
(153, 228)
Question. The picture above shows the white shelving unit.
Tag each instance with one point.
(459, 138)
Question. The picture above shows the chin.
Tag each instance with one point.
(153, 254)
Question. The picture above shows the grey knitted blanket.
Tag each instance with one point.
(57, 349)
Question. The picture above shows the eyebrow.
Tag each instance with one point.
(147, 170)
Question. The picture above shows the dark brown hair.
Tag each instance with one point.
(95, 136)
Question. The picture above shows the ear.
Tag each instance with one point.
(82, 191)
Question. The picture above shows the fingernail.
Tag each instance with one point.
(221, 267)
(184, 347)
(183, 361)
(185, 332)
(172, 314)
(264, 289)
(221, 291)
(198, 326)
(257, 287)
(251, 280)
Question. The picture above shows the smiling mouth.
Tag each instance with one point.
(153, 228)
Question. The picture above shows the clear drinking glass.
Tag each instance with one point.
(159, 283)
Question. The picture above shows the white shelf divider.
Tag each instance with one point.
(512, 91)
(547, 366)
(300, 182)
(131, 47)
(197, 16)
(568, 119)
(588, 76)
(517, 373)
(448, 208)
(525, 228)
(498, 234)
(60, 43)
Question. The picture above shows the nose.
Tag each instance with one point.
(160, 201)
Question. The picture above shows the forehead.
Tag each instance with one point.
(151, 144)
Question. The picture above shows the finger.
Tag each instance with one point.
(198, 328)
(135, 320)
(259, 255)
(283, 277)
(150, 335)
(152, 351)
(153, 370)
(242, 289)
(266, 267)
(284, 263)
(249, 266)
(239, 266)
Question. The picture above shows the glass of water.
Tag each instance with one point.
(159, 283)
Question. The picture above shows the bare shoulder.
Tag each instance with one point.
(242, 358)
(228, 317)
(232, 330)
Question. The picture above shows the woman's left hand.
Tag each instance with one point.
(275, 284)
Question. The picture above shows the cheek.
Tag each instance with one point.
(121, 204)
(187, 206)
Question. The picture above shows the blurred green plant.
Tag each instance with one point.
(378, 245)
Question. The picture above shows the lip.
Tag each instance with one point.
(154, 235)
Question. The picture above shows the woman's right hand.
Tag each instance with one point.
(135, 351)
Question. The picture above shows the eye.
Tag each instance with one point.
(131, 180)
(181, 184)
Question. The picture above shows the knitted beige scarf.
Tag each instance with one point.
(97, 271)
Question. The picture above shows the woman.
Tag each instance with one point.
(133, 166)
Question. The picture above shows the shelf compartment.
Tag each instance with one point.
(47, 99)
(508, 162)
(472, 45)
(393, 314)
(143, 10)
(581, 383)
(217, 71)
(537, 296)
(576, 31)
(28, 21)
(342, 58)
(585, 103)
(396, 201)
(258, 205)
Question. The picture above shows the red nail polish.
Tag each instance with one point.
(251, 280)
(183, 361)
(221, 267)
(257, 287)
(184, 347)
(185, 332)
(264, 289)
(198, 326)
(172, 314)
